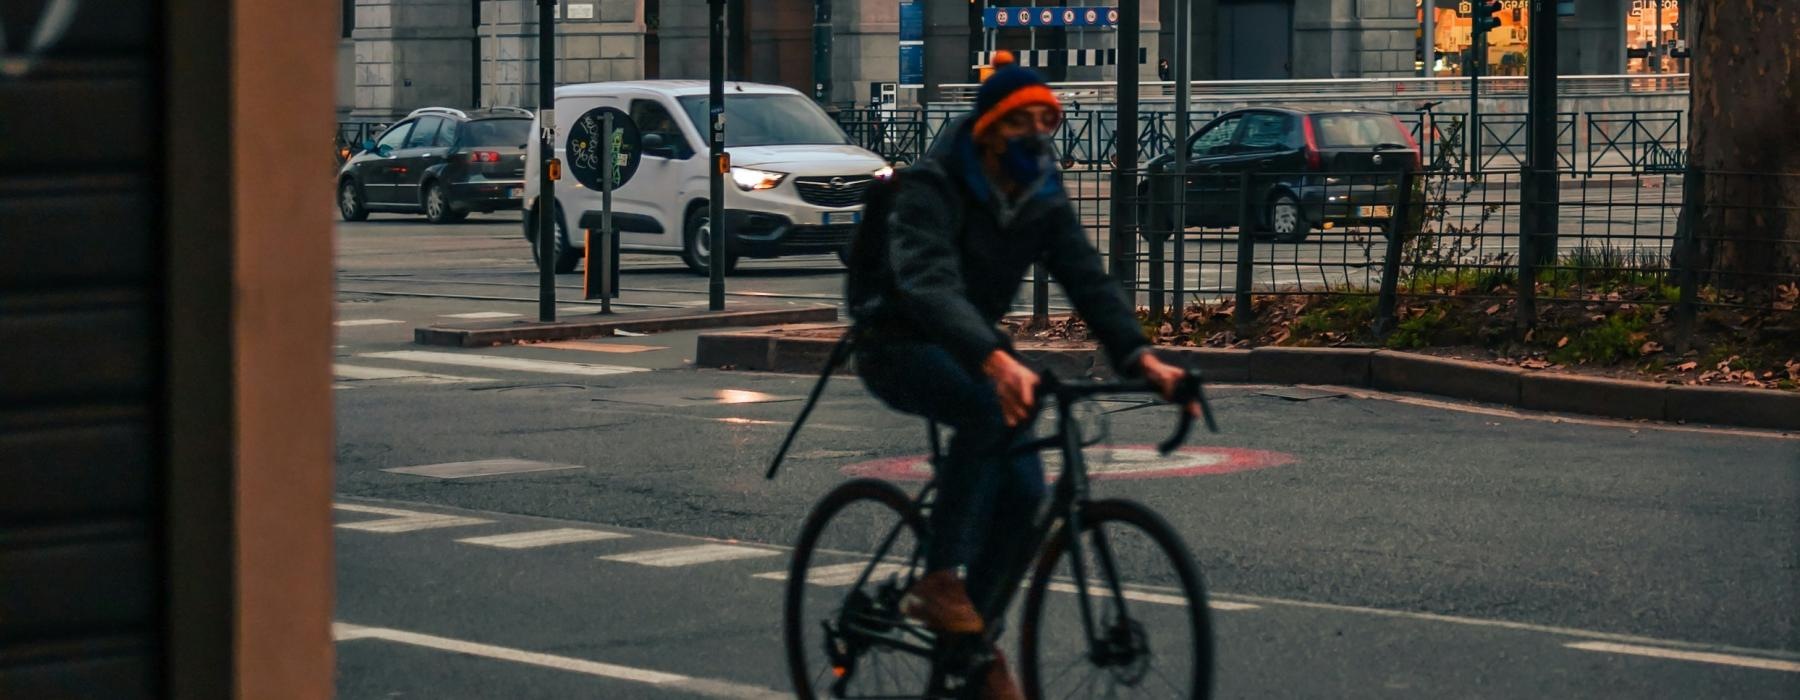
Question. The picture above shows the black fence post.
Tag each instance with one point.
(1246, 256)
(1529, 221)
(1156, 241)
(1399, 228)
(1040, 297)
(1687, 255)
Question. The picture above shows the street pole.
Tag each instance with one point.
(1121, 244)
(1428, 27)
(609, 161)
(546, 221)
(822, 51)
(1472, 124)
(1541, 137)
(721, 164)
(1184, 97)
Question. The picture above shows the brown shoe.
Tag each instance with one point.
(942, 604)
(999, 684)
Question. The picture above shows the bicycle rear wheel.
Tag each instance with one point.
(858, 551)
(1151, 639)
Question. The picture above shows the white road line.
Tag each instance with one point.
(543, 538)
(483, 314)
(1511, 625)
(413, 524)
(838, 574)
(1702, 657)
(344, 632)
(352, 323)
(689, 556)
(402, 376)
(516, 364)
(1158, 598)
(402, 520)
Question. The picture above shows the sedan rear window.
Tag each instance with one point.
(1354, 130)
(511, 133)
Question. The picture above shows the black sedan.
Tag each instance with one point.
(441, 162)
(1308, 168)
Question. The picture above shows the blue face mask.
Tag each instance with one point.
(1028, 158)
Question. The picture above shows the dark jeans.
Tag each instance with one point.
(985, 498)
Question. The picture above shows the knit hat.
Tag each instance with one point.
(1010, 87)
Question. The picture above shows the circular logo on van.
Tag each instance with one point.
(589, 144)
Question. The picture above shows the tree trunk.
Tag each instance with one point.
(1745, 111)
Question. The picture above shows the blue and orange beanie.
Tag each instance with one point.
(1009, 87)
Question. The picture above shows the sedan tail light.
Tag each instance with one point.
(485, 157)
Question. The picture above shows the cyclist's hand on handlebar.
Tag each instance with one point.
(1167, 379)
(1016, 384)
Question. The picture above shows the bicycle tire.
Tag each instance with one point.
(1094, 515)
(795, 619)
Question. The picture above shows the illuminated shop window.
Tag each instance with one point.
(1452, 37)
(1651, 30)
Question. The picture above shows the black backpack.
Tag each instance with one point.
(866, 271)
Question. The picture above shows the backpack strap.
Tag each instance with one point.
(839, 353)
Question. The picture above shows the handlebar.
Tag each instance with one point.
(1193, 388)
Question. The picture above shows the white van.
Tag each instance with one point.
(796, 183)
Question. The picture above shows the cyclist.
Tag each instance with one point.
(966, 222)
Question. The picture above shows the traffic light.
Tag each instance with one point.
(1485, 15)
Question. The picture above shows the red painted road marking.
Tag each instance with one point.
(1118, 462)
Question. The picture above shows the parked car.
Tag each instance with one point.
(1313, 168)
(441, 162)
(795, 187)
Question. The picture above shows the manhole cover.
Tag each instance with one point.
(1121, 462)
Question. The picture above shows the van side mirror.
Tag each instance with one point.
(656, 145)
(384, 150)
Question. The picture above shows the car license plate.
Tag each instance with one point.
(1374, 212)
(513, 192)
(843, 217)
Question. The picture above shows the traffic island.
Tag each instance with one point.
(484, 334)
(805, 349)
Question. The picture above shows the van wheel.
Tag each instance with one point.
(566, 259)
(1284, 219)
(696, 243)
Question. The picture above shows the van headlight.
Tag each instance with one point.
(748, 179)
(885, 172)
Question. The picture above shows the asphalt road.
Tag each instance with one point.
(1388, 547)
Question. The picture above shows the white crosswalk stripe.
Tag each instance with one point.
(402, 520)
(838, 574)
(483, 314)
(515, 364)
(398, 376)
(691, 555)
(1158, 598)
(543, 538)
(354, 322)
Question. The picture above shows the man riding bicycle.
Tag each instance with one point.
(966, 223)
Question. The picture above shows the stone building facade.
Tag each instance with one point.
(397, 55)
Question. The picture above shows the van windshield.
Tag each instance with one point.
(768, 120)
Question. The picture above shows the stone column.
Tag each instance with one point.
(411, 54)
(865, 47)
(608, 45)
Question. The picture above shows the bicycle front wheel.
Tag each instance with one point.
(858, 551)
(1117, 609)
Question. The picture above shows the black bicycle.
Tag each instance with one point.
(1085, 631)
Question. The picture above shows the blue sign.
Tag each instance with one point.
(1055, 17)
(912, 20)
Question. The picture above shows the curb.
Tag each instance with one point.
(1385, 370)
(473, 335)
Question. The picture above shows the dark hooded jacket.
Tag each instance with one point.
(957, 254)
